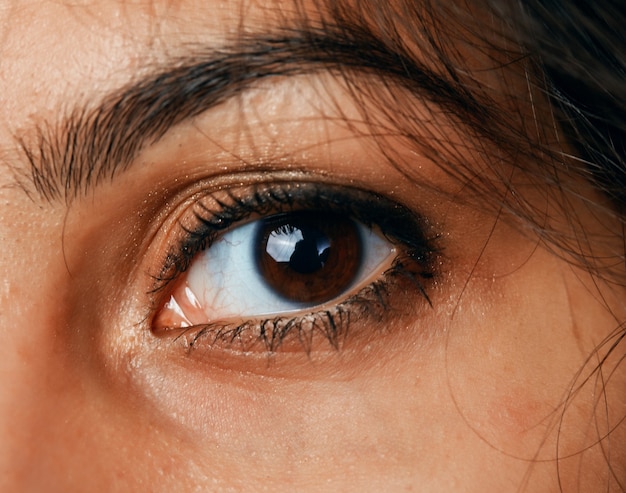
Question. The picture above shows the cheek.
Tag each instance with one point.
(516, 411)
(519, 364)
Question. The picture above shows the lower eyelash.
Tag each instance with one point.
(374, 303)
(270, 334)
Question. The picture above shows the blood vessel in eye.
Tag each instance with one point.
(308, 257)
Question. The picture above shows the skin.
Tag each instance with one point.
(469, 394)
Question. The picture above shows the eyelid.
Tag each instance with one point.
(214, 213)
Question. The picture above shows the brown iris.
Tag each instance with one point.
(308, 257)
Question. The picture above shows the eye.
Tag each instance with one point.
(315, 257)
(284, 263)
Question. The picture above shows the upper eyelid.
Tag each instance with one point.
(403, 224)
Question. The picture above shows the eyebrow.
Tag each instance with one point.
(93, 145)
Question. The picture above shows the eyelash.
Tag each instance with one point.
(399, 225)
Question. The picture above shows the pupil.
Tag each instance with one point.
(308, 257)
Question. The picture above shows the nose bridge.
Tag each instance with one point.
(44, 419)
(23, 409)
(35, 377)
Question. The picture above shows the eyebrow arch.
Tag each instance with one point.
(93, 145)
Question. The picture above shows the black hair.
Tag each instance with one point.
(580, 51)
(559, 122)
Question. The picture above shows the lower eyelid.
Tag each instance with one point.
(371, 313)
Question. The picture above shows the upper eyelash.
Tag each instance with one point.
(396, 222)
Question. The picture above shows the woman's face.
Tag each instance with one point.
(144, 348)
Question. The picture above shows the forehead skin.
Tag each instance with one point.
(89, 401)
(85, 49)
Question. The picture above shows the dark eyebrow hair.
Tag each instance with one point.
(92, 145)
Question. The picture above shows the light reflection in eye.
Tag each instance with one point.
(280, 244)
(281, 264)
